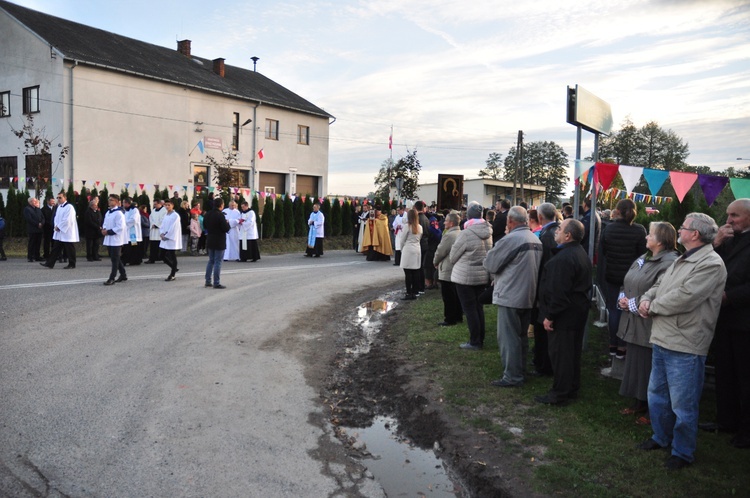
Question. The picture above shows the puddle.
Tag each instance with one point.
(399, 467)
(367, 319)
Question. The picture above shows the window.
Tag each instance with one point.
(38, 166)
(236, 131)
(8, 170)
(31, 100)
(303, 135)
(240, 178)
(200, 176)
(272, 129)
(4, 104)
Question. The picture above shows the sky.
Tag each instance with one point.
(457, 80)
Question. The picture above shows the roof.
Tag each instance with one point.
(96, 47)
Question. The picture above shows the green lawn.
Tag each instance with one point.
(584, 449)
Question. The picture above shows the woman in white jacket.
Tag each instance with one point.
(411, 254)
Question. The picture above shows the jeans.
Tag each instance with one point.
(513, 341)
(215, 257)
(474, 311)
(674, 393)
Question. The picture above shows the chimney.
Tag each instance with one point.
(183, 47)
(219, 66)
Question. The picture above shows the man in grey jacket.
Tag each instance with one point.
(452, 312)
(684, 306)
(514, 265)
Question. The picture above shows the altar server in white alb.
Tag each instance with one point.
(248, 235)
(65, 233)
(316, 222)
(131, 251)
(233, 216)
(399, 222)
(115, 230)
(156, 218)
(170, 234)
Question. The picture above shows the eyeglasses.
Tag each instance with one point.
(686, 228)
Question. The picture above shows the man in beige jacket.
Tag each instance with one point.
(684, 307)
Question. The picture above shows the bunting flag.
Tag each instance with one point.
(170, 186)
(127, 185)
(113, 185)
(682, 182)
(211, 189)
(82, 181)
(630, 176)
(655, 179)
(263, 195)
(303, 198)
(605, 173)
(141, 185)
(184, 187)
(712, 186)
(198, 188)
(97, 182)
(582, 167)
(247, 192)
(740, 187)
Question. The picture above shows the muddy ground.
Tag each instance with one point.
(355, 388)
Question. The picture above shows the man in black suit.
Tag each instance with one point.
(547, 214)
(563, 310)
(732, 336)
(48, 210)
(500, 221)
(34, 227)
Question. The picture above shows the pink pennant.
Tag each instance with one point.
(681, 182)
(97, 183)
(140, 185)
(113, 184)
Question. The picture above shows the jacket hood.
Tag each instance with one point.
(481, 230)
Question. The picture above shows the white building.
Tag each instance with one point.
(487, 192)
(134, 113)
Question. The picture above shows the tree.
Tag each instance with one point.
(325, 208)
(335, 218)
(407, 169)
(268, 220)
(37, 149)
(222, 168)
(288, 216)
(494, 169)
(346, 214)
(650, 147)
(544, 163)
(279, 230)
(300, 224)
(2, 205)
(13, 216)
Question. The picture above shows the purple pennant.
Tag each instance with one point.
(712, 186)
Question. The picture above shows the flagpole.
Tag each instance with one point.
(390, 162)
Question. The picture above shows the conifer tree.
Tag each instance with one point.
(2, 205)
(335, 218)
(346, 218)
(299, 217)
(288, 217)
(22, 199)
(326, 210)
(255, 207)
(279, 216)
(13, 214)
(268, 221)
(81, 207)
(307, 210)
(70, 194)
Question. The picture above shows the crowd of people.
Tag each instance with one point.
(666, 307)
(136, 234)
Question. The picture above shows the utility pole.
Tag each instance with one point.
(519, 165)
(520, 141)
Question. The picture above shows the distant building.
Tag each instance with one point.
(487, 192)
(132, 112)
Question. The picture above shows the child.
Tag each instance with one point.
(195, 233)
(2, 236)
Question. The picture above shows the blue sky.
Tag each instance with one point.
(458, 79)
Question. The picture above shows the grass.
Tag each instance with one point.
(16, 246)
(584, 449)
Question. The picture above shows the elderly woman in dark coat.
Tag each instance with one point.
(661, 243)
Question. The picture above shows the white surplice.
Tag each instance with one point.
(232, 252)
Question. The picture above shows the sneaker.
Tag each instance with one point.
(620, 354)
(469, 346)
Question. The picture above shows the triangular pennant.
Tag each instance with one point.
(113, 184)
(712, 186)
(605, 173)
(141, 185)
(127, 185)
(97, 182)
(740, 187)
(655, 179)
(682, 182)
(184, 187)
(582, 167)
(630, 175)
(170, 186)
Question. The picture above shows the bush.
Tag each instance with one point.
(268, 221)
(300, 223)
(288, 217)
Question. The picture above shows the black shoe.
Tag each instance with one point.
(504, 383)
(169, 278)
(409, 297)
(69, 267)
(549, 399)
(149, 262)
(316, 256)
(446, 324)
(97, 259)
(675, 463)
(90, 260)
(208, 284)
(40, 259)
(3, 259)
(649, 444)
(121, 278)
(220, 286)
(109, 282)
(45, 265)
(740, 441)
